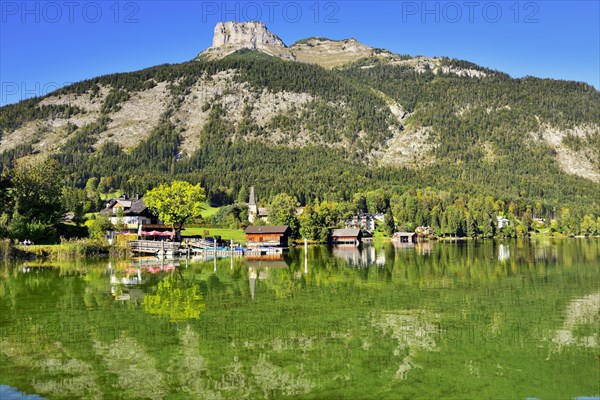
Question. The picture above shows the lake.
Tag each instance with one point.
(511, 319)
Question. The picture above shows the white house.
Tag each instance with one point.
(502, 222)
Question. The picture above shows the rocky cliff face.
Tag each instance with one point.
(232, 36)
(249, 35)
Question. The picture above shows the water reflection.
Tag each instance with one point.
(503, 252)
(517, 318)
(8, 393)
(362, 256)
(175, 298)
(260, 266)
(580, 314)
(122, 281)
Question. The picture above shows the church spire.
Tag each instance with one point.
(252, 200)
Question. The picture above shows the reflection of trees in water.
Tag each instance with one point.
(175, 298)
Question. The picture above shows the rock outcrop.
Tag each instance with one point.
(232, 36)
(249, 35)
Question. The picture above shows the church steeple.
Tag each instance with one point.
(252, 207)
(252, 200)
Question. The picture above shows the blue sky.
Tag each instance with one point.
(48, 44)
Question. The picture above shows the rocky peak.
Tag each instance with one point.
(244, 35)
(232, 36)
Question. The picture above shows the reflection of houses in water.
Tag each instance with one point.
(122, 282)
(259, 267)
(29, 269)
(359, 257)
(424, 248)
(503, 252)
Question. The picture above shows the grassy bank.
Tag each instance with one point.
(10, 252)
(71, 249)
(237, 235)
(208, 212)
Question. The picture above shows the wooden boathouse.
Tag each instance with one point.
(268, 236)
(405, 237)
(346, 236)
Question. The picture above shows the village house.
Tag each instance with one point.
(134, 212)
(502, 222)
(364, 221)
(424, 231)
(268, 236)
(346, 236)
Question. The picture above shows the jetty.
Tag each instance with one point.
(188, 248)
(156, 247)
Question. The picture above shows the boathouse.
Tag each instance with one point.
(346, 236)
(268, 236)
(405, 237)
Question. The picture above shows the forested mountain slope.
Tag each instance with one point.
(377, 120)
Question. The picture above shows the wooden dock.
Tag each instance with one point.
(199, 247)
(157, 247)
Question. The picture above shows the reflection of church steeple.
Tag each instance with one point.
(252, 275)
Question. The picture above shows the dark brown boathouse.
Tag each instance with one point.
(268, 236)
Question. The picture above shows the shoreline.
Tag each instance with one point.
(93, 248)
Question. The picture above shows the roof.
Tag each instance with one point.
(267, 229)
(137, 206)
(345, 232)
(397, 234)
(130, 206)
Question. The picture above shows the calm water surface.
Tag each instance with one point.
(476, 320)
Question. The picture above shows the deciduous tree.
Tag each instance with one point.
(176, 203)
(282, 211)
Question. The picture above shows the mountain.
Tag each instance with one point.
(230, 37)
(320, 118)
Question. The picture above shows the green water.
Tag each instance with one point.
(477, 320)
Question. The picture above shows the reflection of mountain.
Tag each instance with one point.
(359, 256)
(581, 312)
